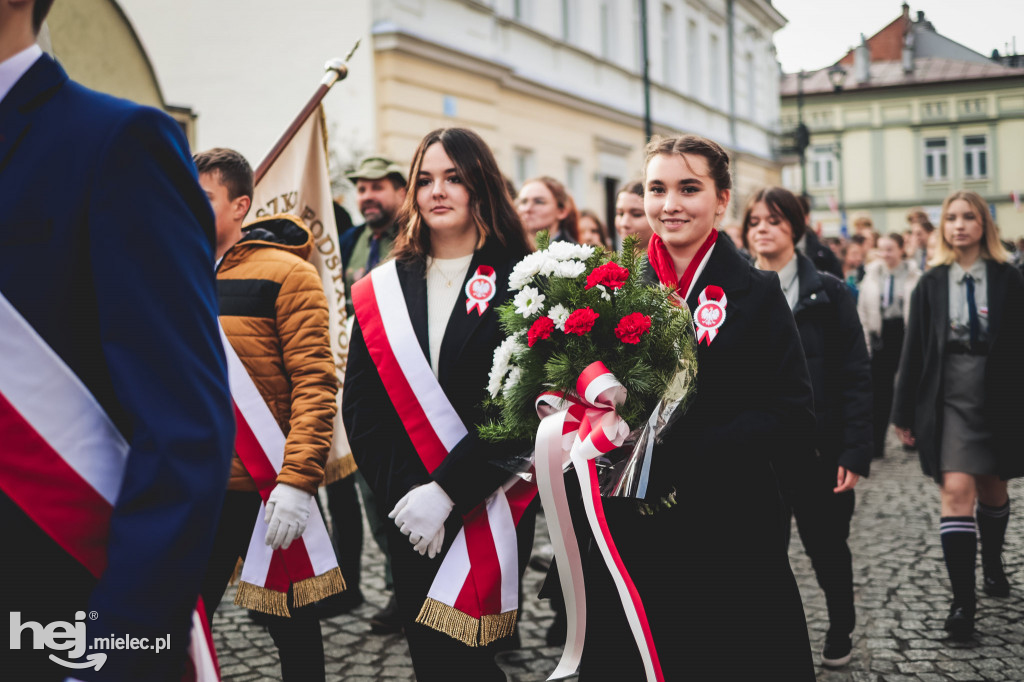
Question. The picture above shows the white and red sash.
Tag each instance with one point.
(62, 461)
(309, 564)
(578, 428)
(474, 596)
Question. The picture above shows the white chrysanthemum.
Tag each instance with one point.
(604, 292)
(567, 251)
(525, 270)
(513, 379)
(502, 360)
(559, 313)
(570, 269)
(529, 301)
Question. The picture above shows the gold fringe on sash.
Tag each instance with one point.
(450, 621)
(468, 630)
(261, 599)
(318, 587)
(497, 626)
(337, 469)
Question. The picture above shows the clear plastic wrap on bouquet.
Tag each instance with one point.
(629, 475)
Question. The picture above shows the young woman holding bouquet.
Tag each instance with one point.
(459, 239)
(711, 569)
(958, 395)
(837, 359)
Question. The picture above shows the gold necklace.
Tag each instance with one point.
(448, 276)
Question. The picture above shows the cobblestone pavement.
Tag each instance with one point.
(902, 597)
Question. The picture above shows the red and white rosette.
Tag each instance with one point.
(62, 462)
(578, 429)
(710, 313)
(480, 289)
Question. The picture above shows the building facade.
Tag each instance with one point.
(555, 86)
(917, 116)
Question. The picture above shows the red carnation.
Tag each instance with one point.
(541, 329)
(580, 321)
(610, 275)
(632, 327)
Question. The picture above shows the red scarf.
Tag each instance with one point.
(665, 267)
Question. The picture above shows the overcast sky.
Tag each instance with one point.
(820, 31)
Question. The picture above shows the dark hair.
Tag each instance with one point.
(234, 171)
(858, 239)
(921, 218)
(895, 236)
(569, 225)
(39, 12)
(805, 203)
(489, 201)
(780, 202)
(601, 229)
(718, 160)
(632, 187)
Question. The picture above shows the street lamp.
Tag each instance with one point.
(803, 135)
(836, 76)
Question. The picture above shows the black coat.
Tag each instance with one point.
(821, 255)
(381, 446)
(918, 403)
(840, 368)
(712, 571)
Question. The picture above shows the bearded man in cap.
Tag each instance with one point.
(380, 188)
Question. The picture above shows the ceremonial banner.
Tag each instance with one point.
(475, 595)
(63, 460)
(298, 182)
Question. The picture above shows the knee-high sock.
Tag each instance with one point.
(992, 523)
(959, 547)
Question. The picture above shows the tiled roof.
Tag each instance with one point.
(890, 74)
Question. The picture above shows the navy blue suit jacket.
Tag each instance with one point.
(106, 248)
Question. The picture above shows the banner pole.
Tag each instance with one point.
(336, 70)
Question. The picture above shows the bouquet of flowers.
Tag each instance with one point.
(577, 305)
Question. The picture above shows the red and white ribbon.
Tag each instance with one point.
(710, 313)
(62, 460)
(479, 574)
(480, 289)
(260, 443)
(578, 429)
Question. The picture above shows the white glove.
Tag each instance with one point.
(287, 515)
(421, 514)
(435, 545)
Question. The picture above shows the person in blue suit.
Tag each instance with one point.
(106, 250)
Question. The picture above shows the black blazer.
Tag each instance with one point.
(821, 255)
(840, 369)
(918, 402)
(712, 570)
(379, 442)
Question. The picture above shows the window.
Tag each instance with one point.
(751, 87)
(935, 160)
(975, 157)
(524, 165)
(823, 166)
(607, 30)
(520, 10)
(693, 65)
(574, 179)
(715, 77)
(668, 44)
(568, 20)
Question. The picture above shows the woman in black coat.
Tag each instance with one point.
(837, 359)
(459, 218)
(712, 569)
(958, 394)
